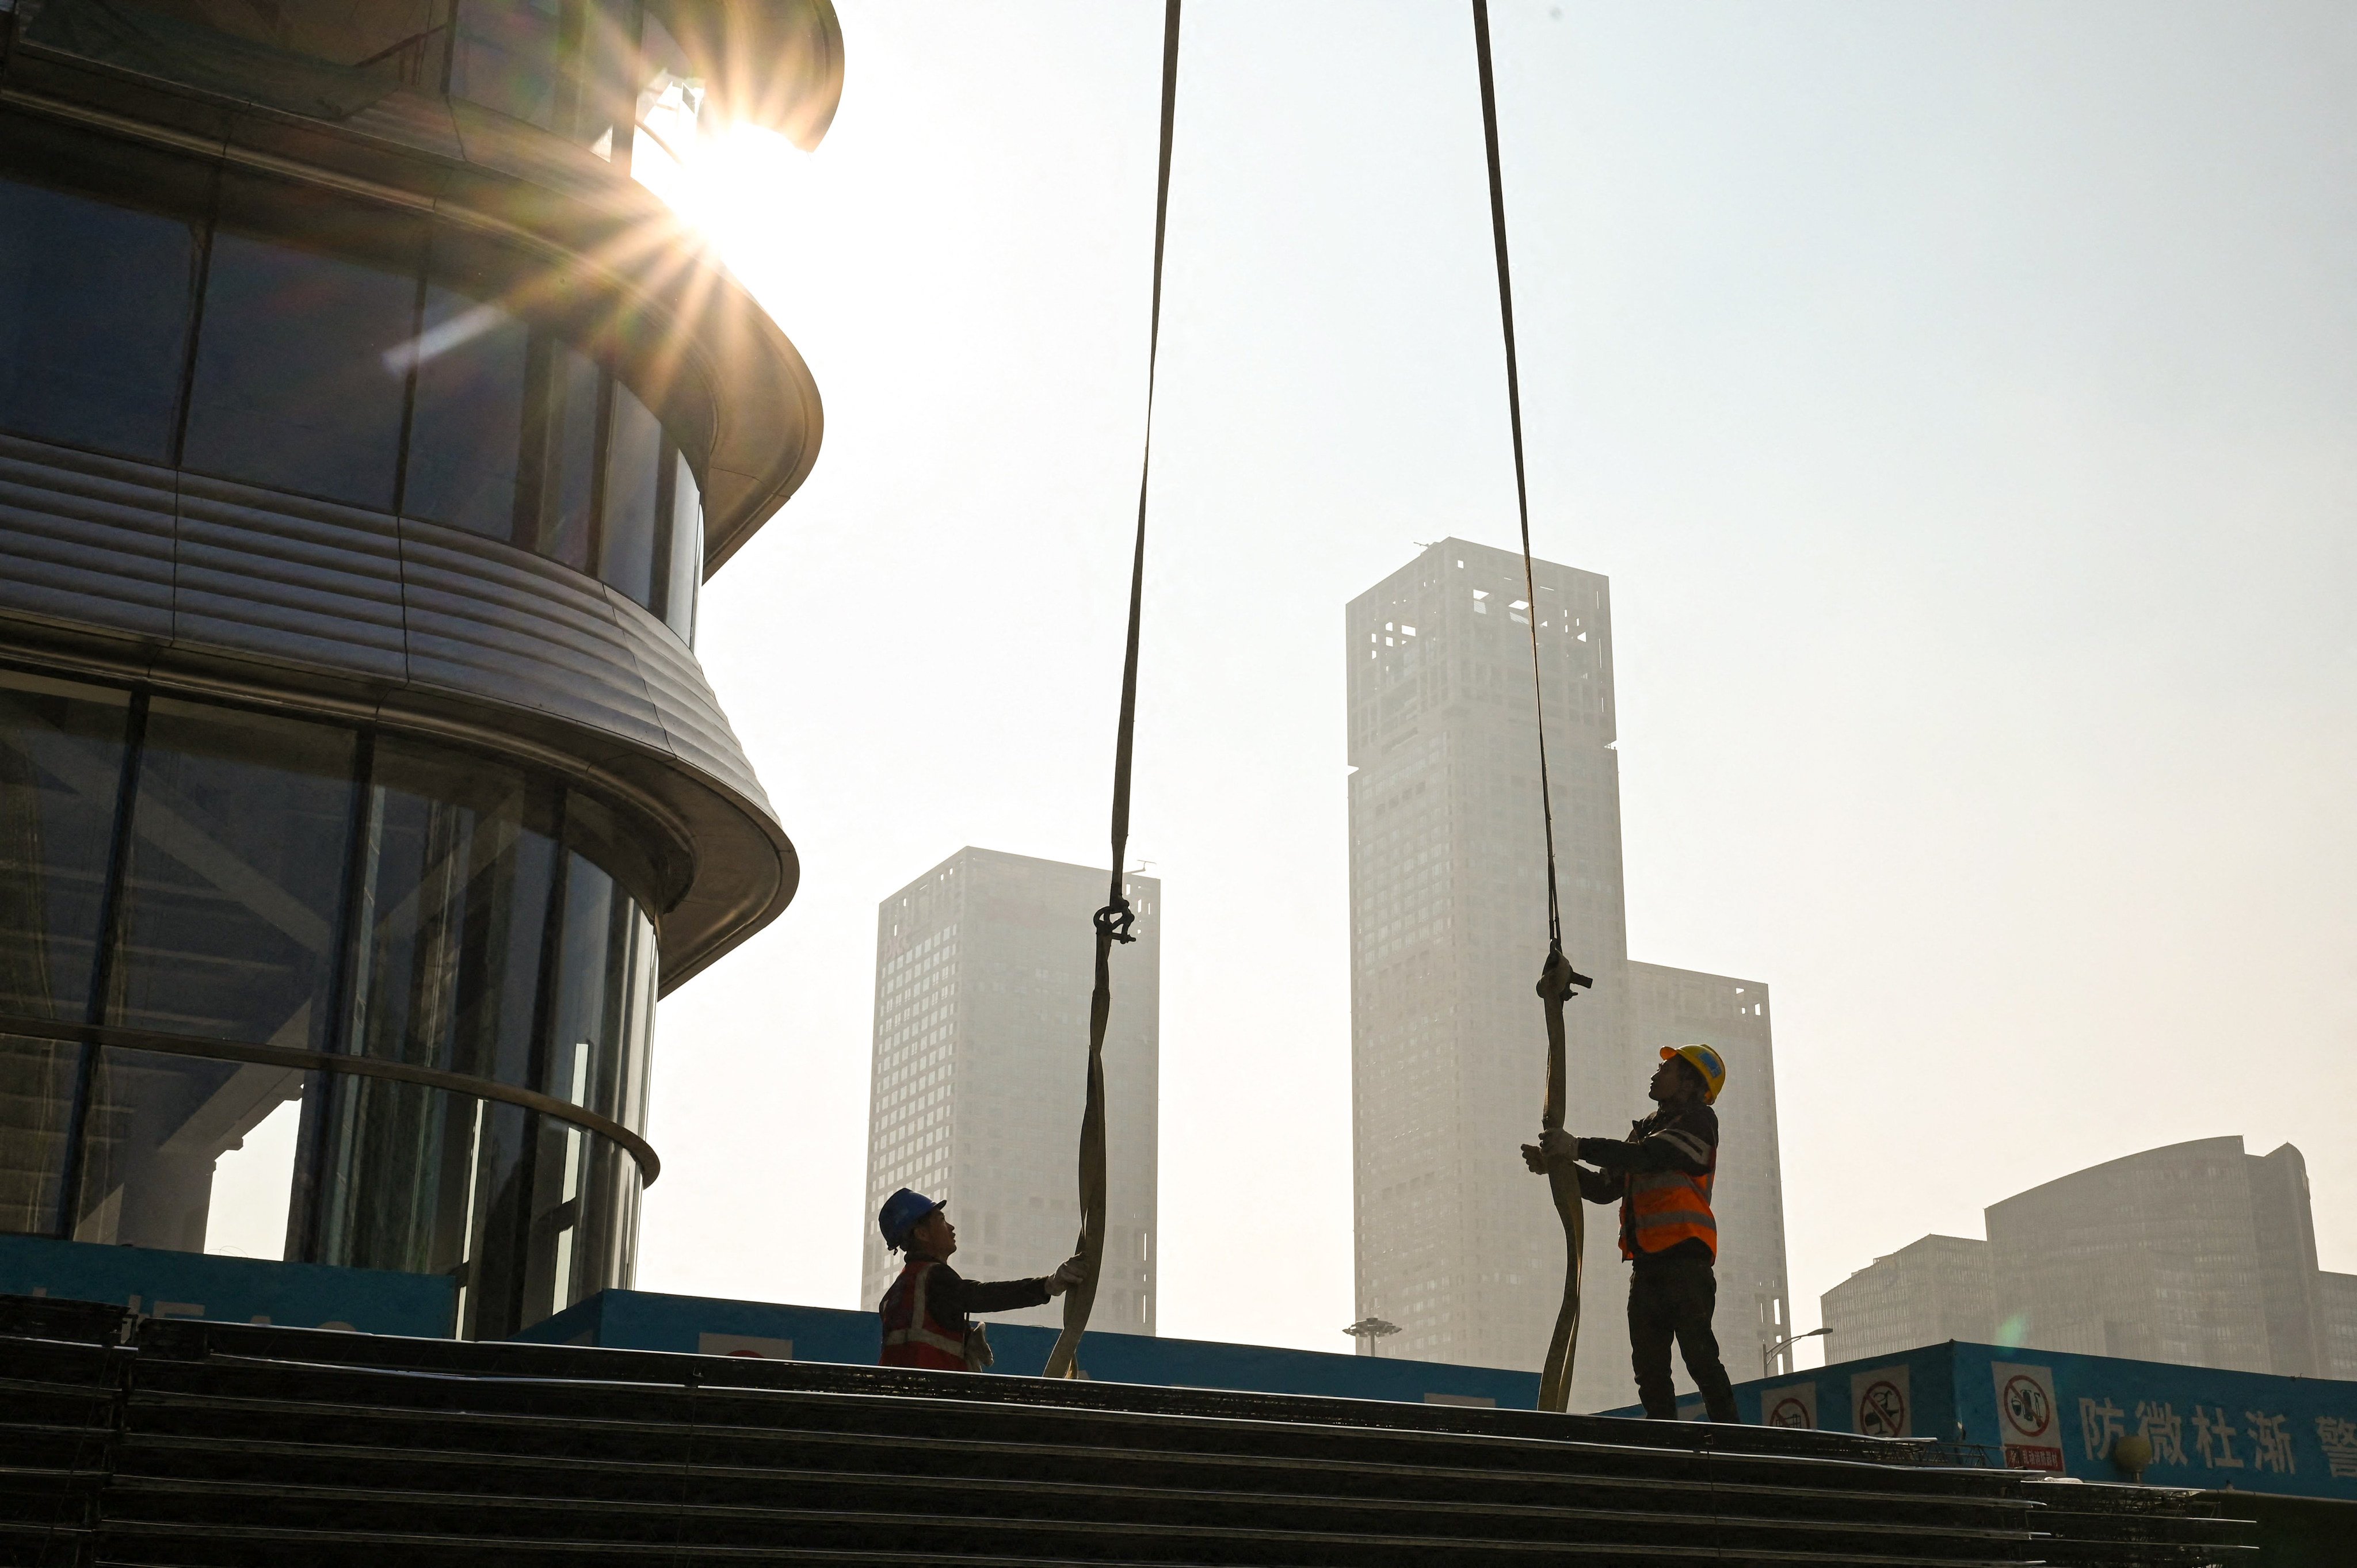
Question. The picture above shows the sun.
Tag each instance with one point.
(736, 187)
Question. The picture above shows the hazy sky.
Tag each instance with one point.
(1959, 397)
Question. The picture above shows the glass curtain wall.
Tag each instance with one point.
(571, 66)
(247, 878)
(99, 247)
(62, 750)
(308, 342)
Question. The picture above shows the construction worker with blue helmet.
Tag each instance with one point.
(1661, 1175)
(927, 1313)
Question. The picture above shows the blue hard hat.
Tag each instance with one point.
(903, 1212)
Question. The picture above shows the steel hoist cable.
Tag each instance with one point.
(1558, 978)
(1113, 921)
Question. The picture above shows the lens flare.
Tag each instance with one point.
(735, 186)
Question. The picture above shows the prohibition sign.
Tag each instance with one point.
(1789, 1411)
(2026, 1407)
(1882, 1412)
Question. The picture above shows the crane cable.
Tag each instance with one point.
(1112, 922)
(1557, 977)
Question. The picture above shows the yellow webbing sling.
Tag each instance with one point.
(1558, 978)
(1113, 921)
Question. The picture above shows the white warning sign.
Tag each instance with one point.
(755, 1347)
(1794, 1406)
(2027, 1420)
(1879, 1404)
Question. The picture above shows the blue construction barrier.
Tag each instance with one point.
(160, 1284)
(644, 1320)
(2053, 1411)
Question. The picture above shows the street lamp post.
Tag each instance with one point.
(1768, 1352)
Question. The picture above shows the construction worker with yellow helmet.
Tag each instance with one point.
(1661, 1175)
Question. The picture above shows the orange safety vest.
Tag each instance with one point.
(1660, 1208)
(913, 1337)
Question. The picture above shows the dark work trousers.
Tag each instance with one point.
(1673, 1300)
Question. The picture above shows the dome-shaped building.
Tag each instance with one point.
(366, 433)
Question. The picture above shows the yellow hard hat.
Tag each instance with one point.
(1705, 1061)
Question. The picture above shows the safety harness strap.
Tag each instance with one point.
(1563, 1185)
(1113, 921)
(1558, 978)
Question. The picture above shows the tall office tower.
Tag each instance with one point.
(1458, 1244)
(366, 432)
(1679, 1006)
(1928, 1291)
(2189, 1253)
(983, 970)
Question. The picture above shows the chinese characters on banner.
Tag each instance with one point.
(2338, 1438)
(2270, 1444)
(2099, 1426)
(2214, 1439)
(2254, 1440)
(2157, 1422)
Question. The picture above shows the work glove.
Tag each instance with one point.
(1069, 1272)
(1557, 979)
(1552, 1149)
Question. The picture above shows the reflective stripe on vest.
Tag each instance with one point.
(1665, 1208)
(912, 1336)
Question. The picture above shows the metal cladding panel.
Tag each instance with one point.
(85, 538)
(489, 621)
(699, 732)
(303, 580)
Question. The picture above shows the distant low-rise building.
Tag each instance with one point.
(2197, 1253)
(1927, 1292)
(2154, 1256)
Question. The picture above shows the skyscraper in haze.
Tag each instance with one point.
(1458, 1244)
(984, 967)
(1932, 1290)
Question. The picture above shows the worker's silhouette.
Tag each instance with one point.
(1661, 1175)
(927, 1313)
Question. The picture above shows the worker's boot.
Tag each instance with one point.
(1659, 1396)
(1717, 1395)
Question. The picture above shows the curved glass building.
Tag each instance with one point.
(366, 433)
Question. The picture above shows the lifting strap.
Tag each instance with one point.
(1558, 978)
(1113, 921)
